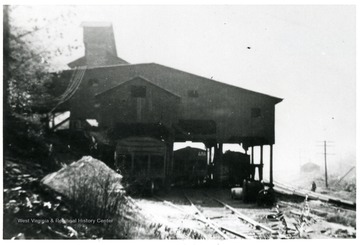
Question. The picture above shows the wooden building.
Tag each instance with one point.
(153, 100)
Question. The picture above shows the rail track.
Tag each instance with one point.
(224, 220)
(291, 191)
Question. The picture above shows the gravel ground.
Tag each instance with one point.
(317, 227)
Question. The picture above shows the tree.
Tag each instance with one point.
(28, 56)
(28, 60)
(6, 47)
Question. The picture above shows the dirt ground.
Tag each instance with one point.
(181, 215)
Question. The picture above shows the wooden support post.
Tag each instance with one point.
(261, 163)
(172, 159)
(252, 154)
(271, 165)
(220, 160)
(211, 174)
(252, 164)
(53, 121)
(207, 156)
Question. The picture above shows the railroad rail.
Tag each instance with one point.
(219, 220)
(246, 218)
(206, 220)
(242, 226)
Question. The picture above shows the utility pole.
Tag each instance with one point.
(326, 176)
(325, 144)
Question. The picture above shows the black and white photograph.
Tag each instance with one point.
(178, 122)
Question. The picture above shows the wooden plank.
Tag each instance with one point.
(313, 195)
(271, 165)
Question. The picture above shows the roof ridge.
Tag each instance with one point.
(177, 70)
(237, 87)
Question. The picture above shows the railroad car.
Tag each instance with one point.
(190, 166)
(142, 161)
(237, 168)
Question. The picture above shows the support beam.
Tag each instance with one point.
(207, 155)
(252, 164)
(252, 154)
(53, 120)
(172, 159)
(271, 165)
(218, 162)
(261, 163)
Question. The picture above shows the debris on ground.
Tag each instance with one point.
(34, 212)
(308, 222)
(29, 211)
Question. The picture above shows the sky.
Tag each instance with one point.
(304, 54)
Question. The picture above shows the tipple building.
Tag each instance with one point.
(144, 108)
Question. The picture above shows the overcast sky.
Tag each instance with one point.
(303, 54)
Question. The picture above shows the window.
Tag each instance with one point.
(138, 91)
(255, 112)
(193, 93)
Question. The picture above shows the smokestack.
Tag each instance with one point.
(100, 47)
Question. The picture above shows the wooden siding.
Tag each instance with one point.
(119, 106)
(228, 106)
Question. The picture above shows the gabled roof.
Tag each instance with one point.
(131, 80)
(170, 79)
